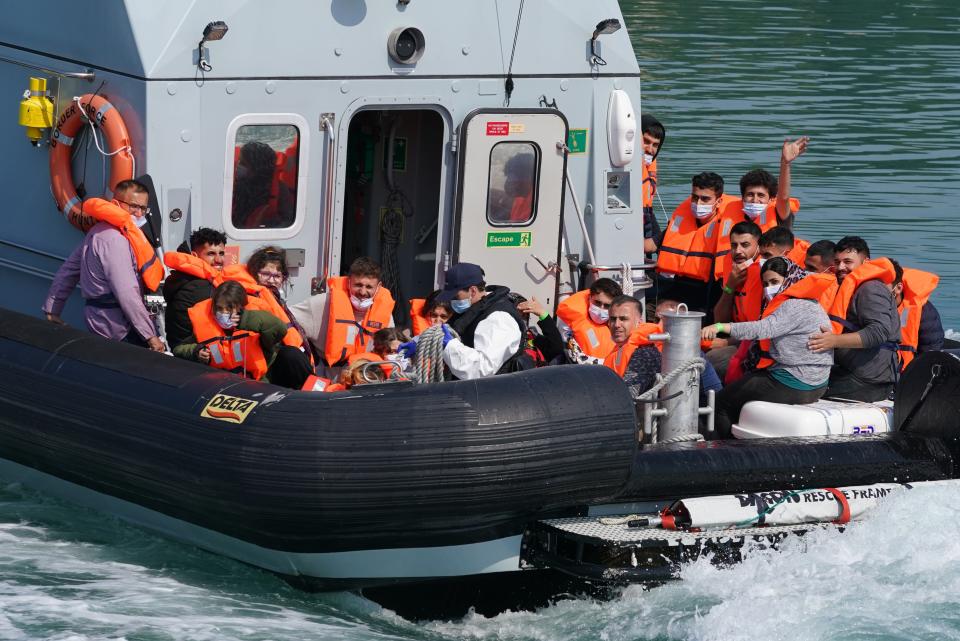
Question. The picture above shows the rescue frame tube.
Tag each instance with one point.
(105, 117)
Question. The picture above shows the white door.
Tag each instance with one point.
(510, 198)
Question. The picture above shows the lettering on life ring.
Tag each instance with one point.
(105, 117)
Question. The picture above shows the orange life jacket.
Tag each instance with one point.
(733, 208)
(193, 265)
(818, 287)
(345, 336)
(917, 287)
(149, 266)
(316, 384)
(593, 339)
(522, 209)
(732, 213)
(418, 323)
(239, 352)
(747, 299)
(261, 298)
(878, 268)
(689, 249)
(619, 358)
(648, 184)
(799, 252)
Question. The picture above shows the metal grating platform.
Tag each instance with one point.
(590, 527)
(585, 548)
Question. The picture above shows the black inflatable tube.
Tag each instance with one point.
(388, 466)
(731, 467)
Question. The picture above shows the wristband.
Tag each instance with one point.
(728, 290)
(719, 328)
(543, 315)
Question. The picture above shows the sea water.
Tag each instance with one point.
(67, 573)
(875, 84)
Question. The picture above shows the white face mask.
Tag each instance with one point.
(598, 315)
(753, 210)
(647, 159)
(701, 211)
(139, 221)
(361, 304)
(761, 261)
(770, 291)
(225, 320)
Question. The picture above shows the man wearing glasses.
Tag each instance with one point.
(113, 265)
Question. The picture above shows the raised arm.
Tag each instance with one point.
(789, 153)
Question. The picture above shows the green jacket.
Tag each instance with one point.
(271, 330)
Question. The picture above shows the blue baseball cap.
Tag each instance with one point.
(460, 276)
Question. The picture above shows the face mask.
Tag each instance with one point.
(225, 320)
(360, 304)
(460, 306)
(761, 261)
(599, 315)
(770, 291)
(647, 159)
(401, 362)
(139, 221)
(701, 211)
(752, 210)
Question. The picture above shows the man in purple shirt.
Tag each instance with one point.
(105, 268)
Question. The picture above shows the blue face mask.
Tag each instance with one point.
(460, 306)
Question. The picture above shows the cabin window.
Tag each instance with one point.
(266, 161)
(512, 183)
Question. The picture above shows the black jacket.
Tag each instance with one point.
(496, 300)
(182, 291)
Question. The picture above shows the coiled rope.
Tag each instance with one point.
(391, 231)
(429, 357)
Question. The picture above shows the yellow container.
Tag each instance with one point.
(36, 110)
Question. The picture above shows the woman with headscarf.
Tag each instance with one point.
(787, 371)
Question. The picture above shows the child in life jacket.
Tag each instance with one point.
(232, 332)
(386, 342)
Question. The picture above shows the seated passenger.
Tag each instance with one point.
(192, 278)
(819, 257)
(865, 328)
(543, 344)
(490, 327)
(742, 291)
(427, 312)
(788, 371)
(231, 335)
(343, 320)
(585, 315)
(635, 358)
(780, 241)
(920, 327)
(268, 266)
(765, 199)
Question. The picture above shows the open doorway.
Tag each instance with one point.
(392, 198)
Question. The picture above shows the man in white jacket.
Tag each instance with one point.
(490, 327)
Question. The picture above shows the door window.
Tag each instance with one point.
(512, 183)
(266, 161)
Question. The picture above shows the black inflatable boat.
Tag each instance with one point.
(396, 483)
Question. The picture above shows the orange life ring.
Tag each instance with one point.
(105, 117)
